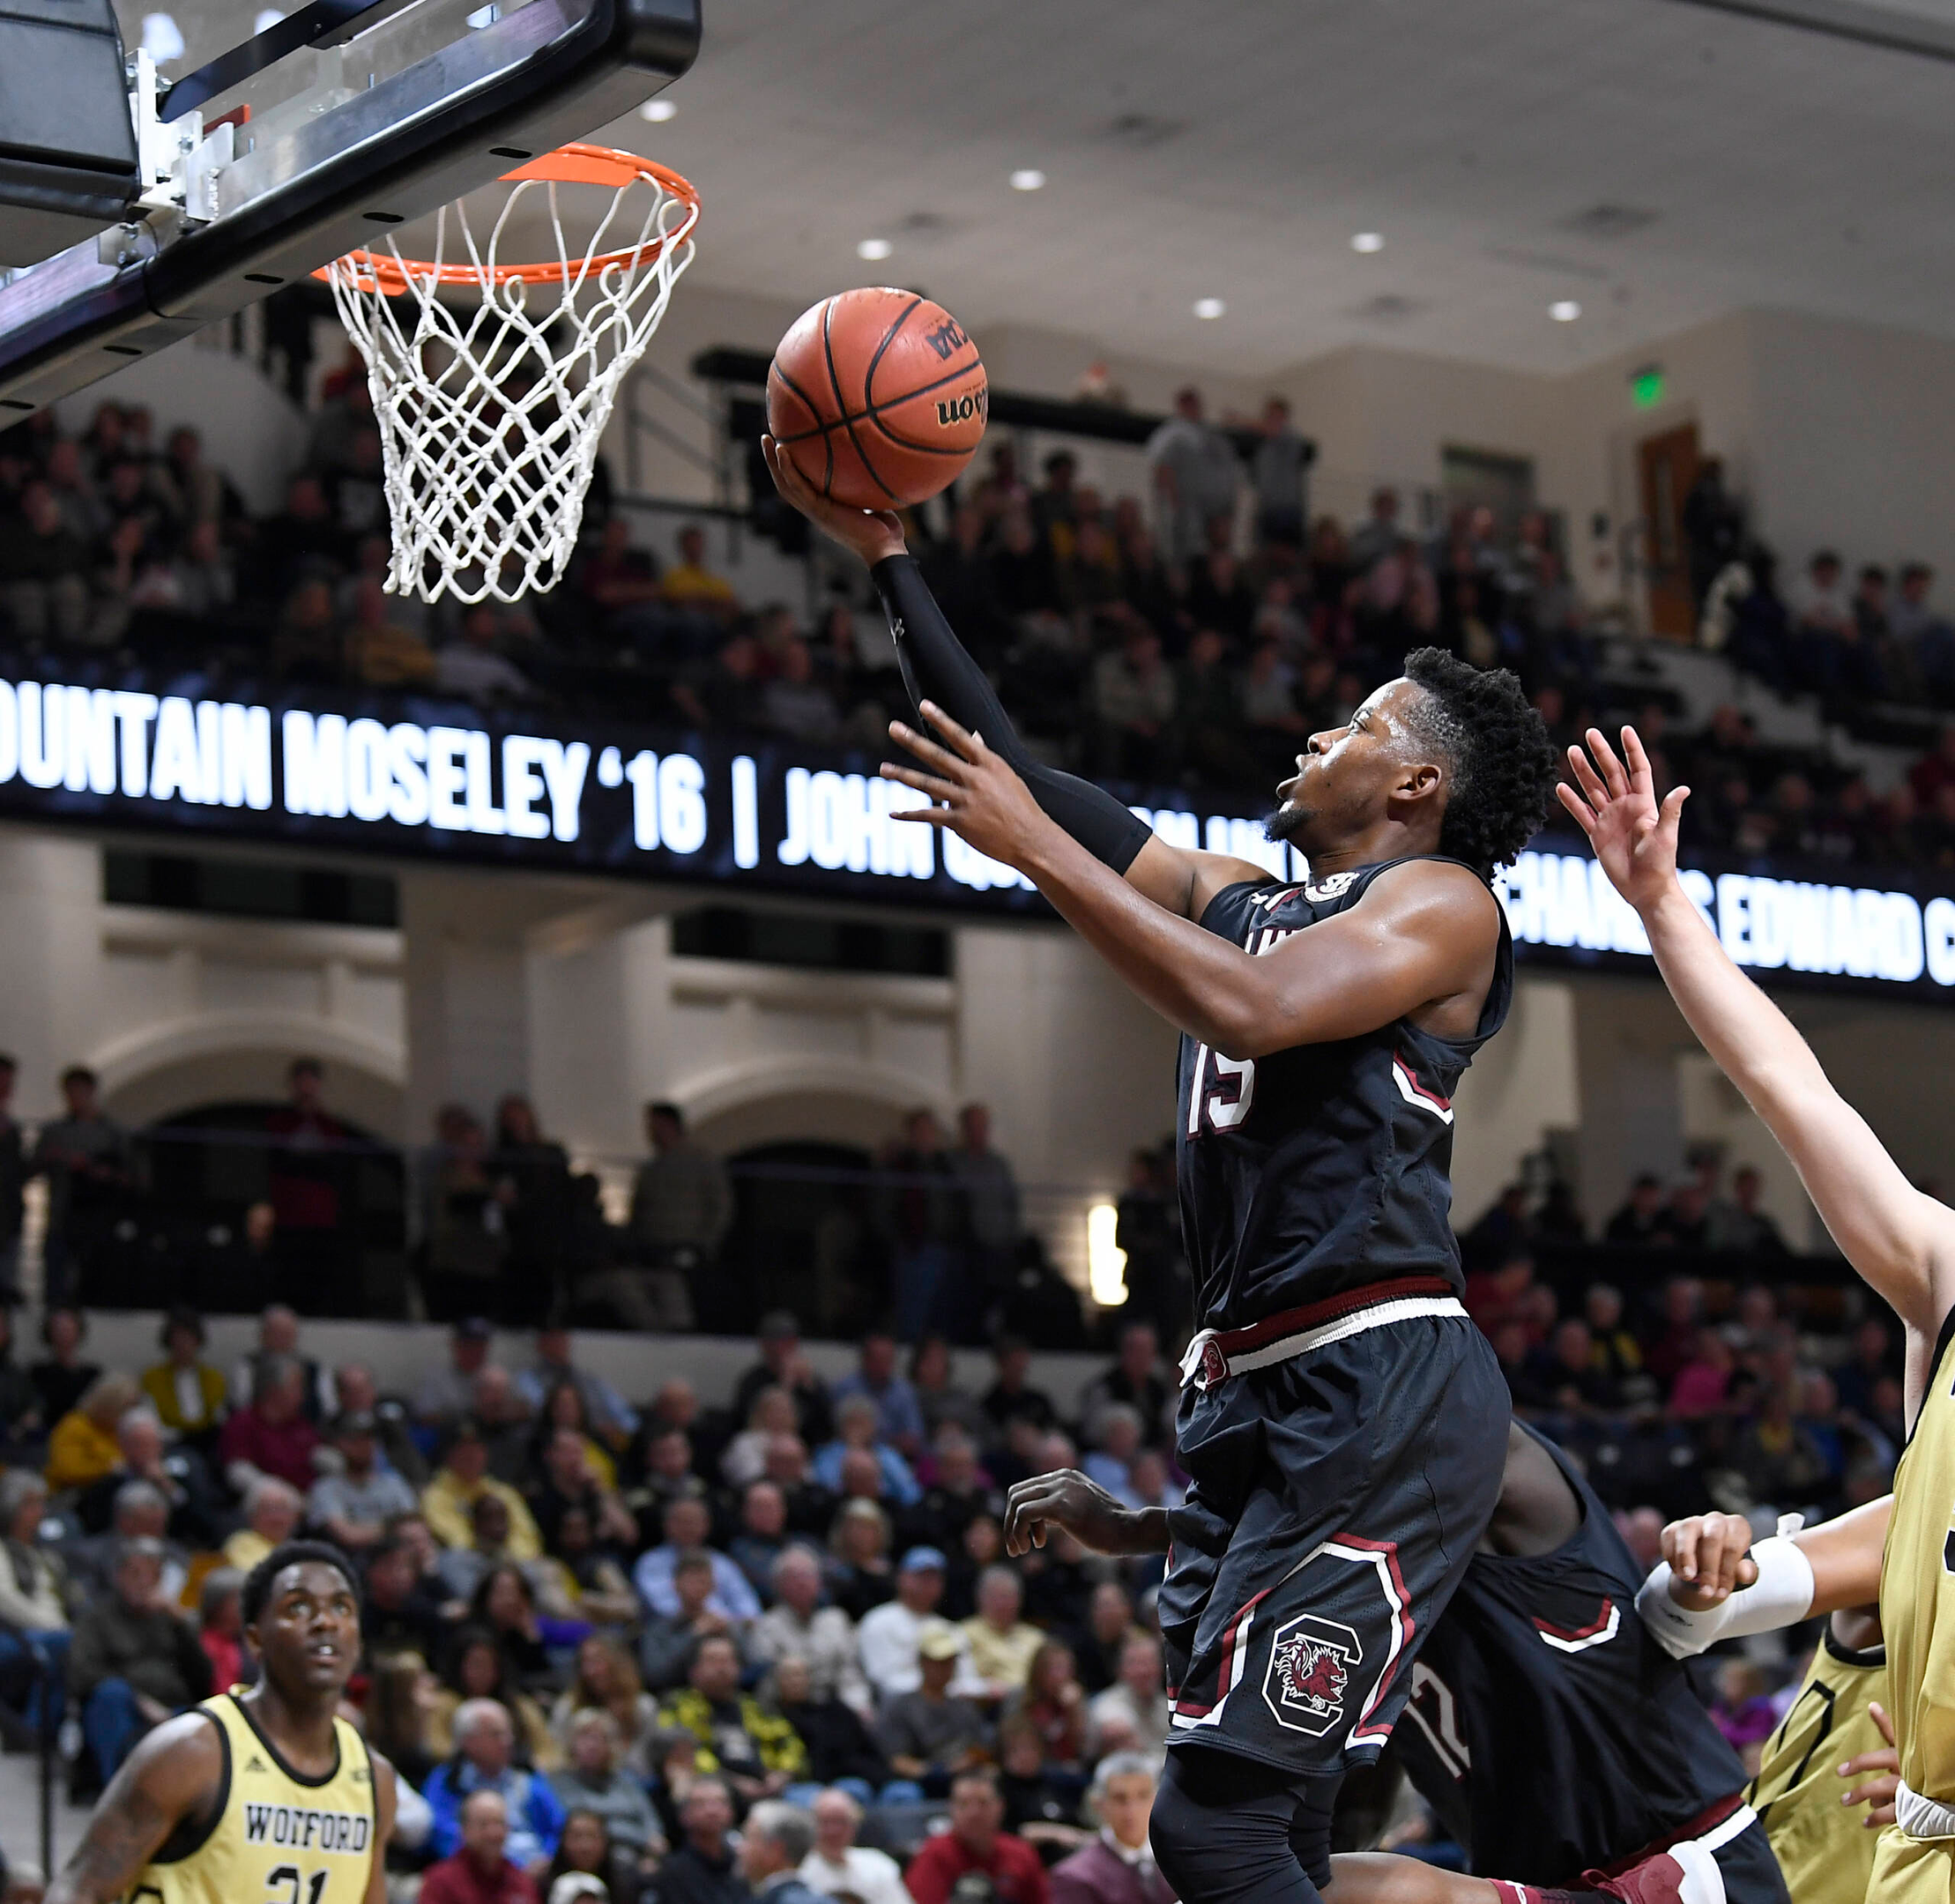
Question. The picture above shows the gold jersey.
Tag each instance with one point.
(275, 1837)
(1824, 1850)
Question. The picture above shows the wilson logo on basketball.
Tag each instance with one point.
(961, 409)
(946, 340)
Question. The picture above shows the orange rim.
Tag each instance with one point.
(567, 165)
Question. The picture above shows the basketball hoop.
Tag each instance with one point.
(489, 434)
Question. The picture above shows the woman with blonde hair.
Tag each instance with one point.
(860, 1573)
(607, 1681)
(82, 1448)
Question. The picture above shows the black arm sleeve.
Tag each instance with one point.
(935, 666)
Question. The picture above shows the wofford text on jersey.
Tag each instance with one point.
(303, 1829)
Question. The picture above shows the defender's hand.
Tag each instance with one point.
(1617, 807)
(972, 792)
(1877, 1791)
(1709, 1560)
(873, 534)
(1066, 1502)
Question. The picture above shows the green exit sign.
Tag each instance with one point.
(1646, 386)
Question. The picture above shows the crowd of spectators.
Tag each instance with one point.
(631, 1621)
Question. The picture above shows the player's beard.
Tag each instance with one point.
(1287, 821)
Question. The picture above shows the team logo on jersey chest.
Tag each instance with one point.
(1311, 1663)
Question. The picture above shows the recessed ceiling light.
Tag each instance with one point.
(658, 110)
(1565, 310)
(162, 38)
(1029, 179)
(266, 20)
(1209, 307)
(874, 250)
(1367, 241)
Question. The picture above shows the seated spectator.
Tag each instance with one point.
(686, 1525)
(1118, 1867)
(945, 1405)
(959, 1491)
(470, 667)
(1042, 1801)
(1703, 1384)
(583, 1577)
(353, 1506)
(1137, 1381)
(575, 1472)
(762, 1536)
(446, 1394)
(594, 1782)
(701, 1869)
(34, 1591)
(82, 1448)
(132, 1662)
(999, 1644)
(839, 1746)
(221, 1628)
(665, 1648)
(797, 1625)
(139, 1513)
(1614, 1353)
(782, 1365)
(774, 1841)
(1118, 1429)
(606, 1680)
(1053, 1703)
(400, 1613)
(178, 1474)
(186, 1391)
(62, 1376)
(856, 1426)
(272, 1512)
(888, 1636)
(756, 1751)
(930, 1733)
(837, 1866)
(503, 1605)
(461, 1569)
(480, 1871)
(449, 1500)
(1011, 1397)
(43, 570)
(1137, 1700)
(380, 650)
(270, 1434)
(588, 1868)
(899, 1416)
(484, 1760)
(1097, 1644)
(1132, 700)
(1561, 1376)
(772, 1412)
(1742, 1225)
(1872, 1362)
(1671, 1346)
(479, 1671)
(977, 1842)
(690, 584)
(1641, 1222)
(608, 1415)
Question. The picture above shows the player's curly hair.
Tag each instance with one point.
(257, 1583)
(1497, 747)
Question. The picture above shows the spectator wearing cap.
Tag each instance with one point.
(187, 1393)
(686, 1525)
(890, 1634)
(934, 1732)
(271, 1435)
(445, 1395)
(899, 1415)
(449, 1500)
(782, 1365)
(354, 1506)
(977, 1842)
(777, 1838)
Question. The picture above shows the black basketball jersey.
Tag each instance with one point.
(1319, 1169)
(1546, 1727)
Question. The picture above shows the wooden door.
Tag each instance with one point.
(1667, 466)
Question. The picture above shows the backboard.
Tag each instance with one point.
(311, 138)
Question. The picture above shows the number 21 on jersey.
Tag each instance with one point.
(1220, 1090)
(283, 1886)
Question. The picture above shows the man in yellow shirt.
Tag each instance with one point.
(449, 1500)
(690, 583)
(1001, 1644)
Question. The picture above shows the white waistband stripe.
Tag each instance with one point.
(1922, 1817)
(1399, 1309)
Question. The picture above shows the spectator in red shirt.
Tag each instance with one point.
(479, 1873)
(270, 1436)
(305, 1190)
(975, 1843)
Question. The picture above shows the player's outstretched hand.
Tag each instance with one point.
(1616, 806)
(873, 534)
(1878, 1792)
(1710, 1558)
(972, 791)
(1068, 1500)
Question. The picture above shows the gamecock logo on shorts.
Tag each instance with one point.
(1311, 1663)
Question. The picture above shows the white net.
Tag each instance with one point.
(491, 401)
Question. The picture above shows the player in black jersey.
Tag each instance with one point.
(1557, 1740)
(1343, 1423)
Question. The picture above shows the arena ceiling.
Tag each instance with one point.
(1655, 162)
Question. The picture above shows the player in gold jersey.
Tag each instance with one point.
(263, 1796)
(1902, 1240)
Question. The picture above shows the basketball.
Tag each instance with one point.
(878, 397)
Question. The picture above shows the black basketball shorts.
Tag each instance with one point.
(1336, 1497)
